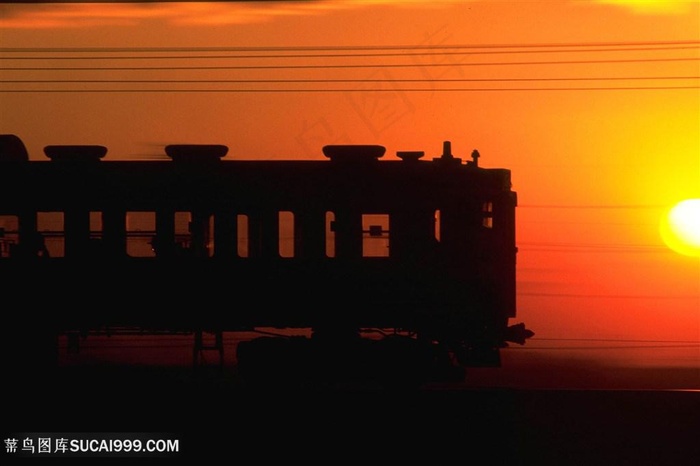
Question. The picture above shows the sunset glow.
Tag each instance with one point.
(402, 232)
(594, 107)
(652, 6)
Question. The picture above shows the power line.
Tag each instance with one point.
(328, 81)
(619, 250)
(589, 245)
(292, 91)
(620, 340)
(561, 348)
(606, 296)
(345, 55)
(333, 52)
(347, 66)
(350, 47)
(591, 206)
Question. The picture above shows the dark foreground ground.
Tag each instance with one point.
(218, 421)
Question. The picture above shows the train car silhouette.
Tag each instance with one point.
(418, 253)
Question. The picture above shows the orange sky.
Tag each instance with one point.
(594, 169)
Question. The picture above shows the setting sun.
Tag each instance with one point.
(680, 227)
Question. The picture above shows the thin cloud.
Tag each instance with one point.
(85, 15)
(76, 15)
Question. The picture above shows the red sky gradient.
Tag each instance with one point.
(595, 166)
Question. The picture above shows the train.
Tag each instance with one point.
(403, 266)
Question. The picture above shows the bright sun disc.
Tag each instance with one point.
(680, 227)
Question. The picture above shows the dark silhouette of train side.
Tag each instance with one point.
(404, 267)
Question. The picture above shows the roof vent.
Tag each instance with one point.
(474, 162)
(75, 153)
(353, 153)
(196, 152)
(410, 155)
(447, 156)
(12, 149)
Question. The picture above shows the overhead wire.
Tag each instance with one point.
(162, 342)
(337, 55)
(349, 66)
(326, 81)
(353, 47)
(683, 81)
(294, 91)
(608, 296)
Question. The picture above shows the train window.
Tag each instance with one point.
(286, 234)
(375, 235)
(9, 226)
(330, 234)
(437, 225)
(96, 225)
(140, 232)
(95, 231)
(209, 239)
(243, 235)
(50, 226)
(183, 229)
(194, 234)
(487, 211)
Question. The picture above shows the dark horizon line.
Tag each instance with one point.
(154, 1)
